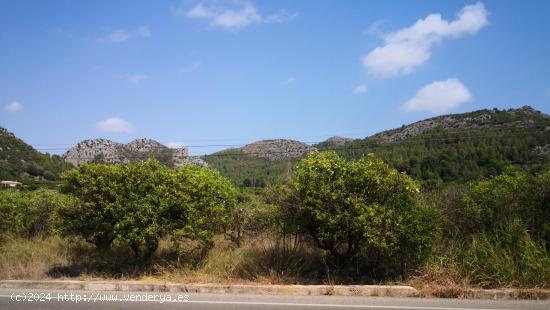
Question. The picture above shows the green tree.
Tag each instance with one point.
(30, 213)
(494, 204)
(362, 210)
(200, 203)
(137, 204)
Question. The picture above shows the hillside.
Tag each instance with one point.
(448, 148)
(107, 151)
(20, 161)
(275, 150)
(259, 163)
(461, 147)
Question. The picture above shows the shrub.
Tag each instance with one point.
(498, 229)
(30, 213)
(200, 204)
(363, 211)
(138, 203)
(493, 205)
(506, 258)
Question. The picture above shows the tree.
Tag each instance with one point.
(30, 213)
(136, 204)
(362, 210)
(200, 204)
(493, 205)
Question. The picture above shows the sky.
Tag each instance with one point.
(211, 74)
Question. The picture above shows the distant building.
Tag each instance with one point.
(10, 183)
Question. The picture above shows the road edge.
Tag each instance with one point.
(308, 290)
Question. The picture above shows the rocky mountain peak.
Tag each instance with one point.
(107, 151)
(277, 149)
(336, 141)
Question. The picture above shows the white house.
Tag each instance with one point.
(10, 183)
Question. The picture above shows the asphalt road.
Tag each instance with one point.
(53, 299)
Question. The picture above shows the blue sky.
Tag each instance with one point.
(232, 72)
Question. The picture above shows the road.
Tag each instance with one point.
(53, 299)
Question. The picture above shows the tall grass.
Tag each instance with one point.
(510, 258)
(22, 258)
(507, 258)
(262, 259)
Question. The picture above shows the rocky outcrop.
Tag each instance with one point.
(278, 149)
(336, 141)
(107, 151)
(543, 149)
(513, 118)
(95, 150)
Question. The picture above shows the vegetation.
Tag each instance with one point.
(458, 207)
(19, 160)
(248, 171)
(458, 148)
(137, 204)
(29, 214)
(365, 214)
(441, 156)
(334, 221)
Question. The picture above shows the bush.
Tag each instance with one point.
(30, 213)
(493, 205)
(137, 204)
(506, 258)
(498, 229)
(363, 213)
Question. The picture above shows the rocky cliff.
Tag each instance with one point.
(107, 151)
(278, 149)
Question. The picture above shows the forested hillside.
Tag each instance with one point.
(448, 148)
(19, 160)
(249, 171)
(459, 147)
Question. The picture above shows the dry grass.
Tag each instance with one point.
(440, 280)
(32, 259)
(262, 260)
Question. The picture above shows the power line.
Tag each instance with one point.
(433, 142)
(317, 142)
(540, 125)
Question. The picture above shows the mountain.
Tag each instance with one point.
(523, 118)
(434, 151)
(448, 148)
(334, 141)
(20, 161)
(274, 150)
(259, 163)
(461, 147)
(107, 151)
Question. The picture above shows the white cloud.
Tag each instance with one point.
(360, 89)
(192, 66)
(175, 145)
(13, 107)
(408, 48)
(280, 17)
(123, 35)
(143, 32)
(439, 97)
(137, 78)
(375, 28)
(119, 36)
(240, 15)
(116, 125)
(289, 80)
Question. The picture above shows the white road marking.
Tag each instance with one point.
(333, 305)
(283, 304)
